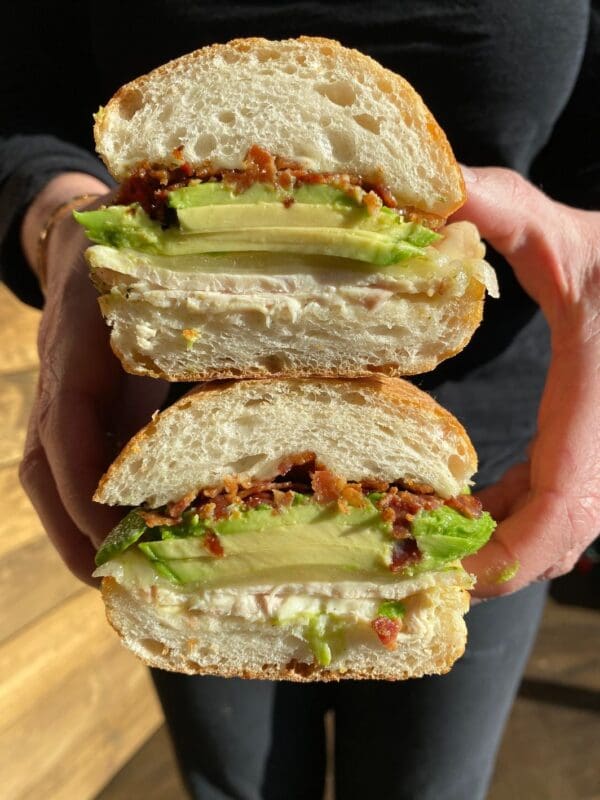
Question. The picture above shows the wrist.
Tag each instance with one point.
(47, 205)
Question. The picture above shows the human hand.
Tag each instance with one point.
(549, 507)
(86, 406)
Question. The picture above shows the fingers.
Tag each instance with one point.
(548, 523)
(541, 540)
(504, 497)
(79, 379)
(75, 549)
(538, 237)
(85, 404)
(81, 438)
(88, 405)
(546, 528)
(505, 207)
(138, 399)
(78, 452)
(69, 448)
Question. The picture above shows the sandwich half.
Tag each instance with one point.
(282, 211)
(302, 529)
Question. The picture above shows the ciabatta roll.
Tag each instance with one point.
(302, 529)
(282, 211)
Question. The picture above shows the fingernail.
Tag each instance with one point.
(468, 174)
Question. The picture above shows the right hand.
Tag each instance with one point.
(547, 508)
(86, 405)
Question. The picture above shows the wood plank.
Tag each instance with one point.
(18, 332)
(19, 524)
(33, 580)
(548, 754)
(152, 774)
(567, 648)
(545, 752)
(41, 656)
(74, 705)
(17, 391)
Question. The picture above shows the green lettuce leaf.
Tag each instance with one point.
(444, 535)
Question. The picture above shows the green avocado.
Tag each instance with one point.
(216, 219)
(307, 541)
(324, 634)
(213, 193)
(443, 535)
(320, 221)
(124, 226)
(302, 511)
(124, 535)
(392, 609)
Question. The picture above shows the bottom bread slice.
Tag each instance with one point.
(206, 335)
(433, 637)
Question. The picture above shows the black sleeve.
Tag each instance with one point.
(48, 93)
(568, 168)
(27, 163)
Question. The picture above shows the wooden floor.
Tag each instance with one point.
(78, 717)
(74, 706)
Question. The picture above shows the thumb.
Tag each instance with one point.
(507, 495)
(530, 230)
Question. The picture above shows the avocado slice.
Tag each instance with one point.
(267, 570)
(130, 227)
(312, 543)
(213, 218)
(302, 512)
(232, 218)
(443, 535)
(297, 544)
(218, 193)
(305, 541)
(226, 218)
(124, 535)
(123, 226)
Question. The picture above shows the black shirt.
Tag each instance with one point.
(513, 84)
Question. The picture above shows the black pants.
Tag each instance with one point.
(428, 739)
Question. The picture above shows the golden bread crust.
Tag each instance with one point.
(125, 99)
(470, 319)
(402, 393)
(294, 671)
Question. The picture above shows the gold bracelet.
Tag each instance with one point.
(57, 214)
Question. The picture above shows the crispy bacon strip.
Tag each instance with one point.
(399, 508)
(176, 509)
(327, 486)
(213, 544)
(353, 496)
(150, 184)
(282, 499)
(466, 504)
(295, 460)
(418, 488)
(301, 472)
(405, 552)
(153, 519)
(387, 631)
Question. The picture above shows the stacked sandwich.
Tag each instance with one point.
(280, 231)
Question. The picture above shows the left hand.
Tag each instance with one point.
(86, 405)
(548, 509)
